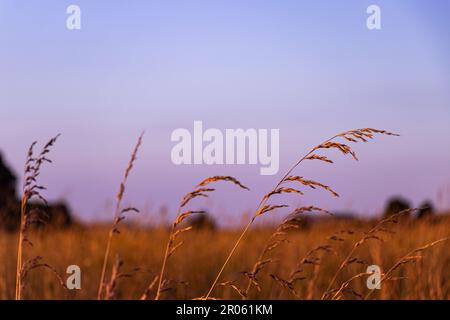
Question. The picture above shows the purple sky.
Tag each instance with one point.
(310, 69)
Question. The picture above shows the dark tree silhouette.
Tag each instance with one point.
(7, 183)
(9, 208)
(55, 215)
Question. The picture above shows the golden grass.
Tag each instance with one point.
(355, 136)
(286, 263)
(31, 190)
(119, 215)
(195, 265)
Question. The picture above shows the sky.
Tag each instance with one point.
(308, 68)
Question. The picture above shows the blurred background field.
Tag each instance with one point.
(195, 264)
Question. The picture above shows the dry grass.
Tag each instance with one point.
(171, 247)
(119, 216)
(290, 262)
(29, 215)
(353, 136)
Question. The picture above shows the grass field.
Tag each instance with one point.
(193, 267)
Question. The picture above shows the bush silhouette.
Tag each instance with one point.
(426, 209)
(202, 221)
(396, 205)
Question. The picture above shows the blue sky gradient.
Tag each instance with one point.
(309, 68)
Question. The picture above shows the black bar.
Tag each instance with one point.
(225, 309)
